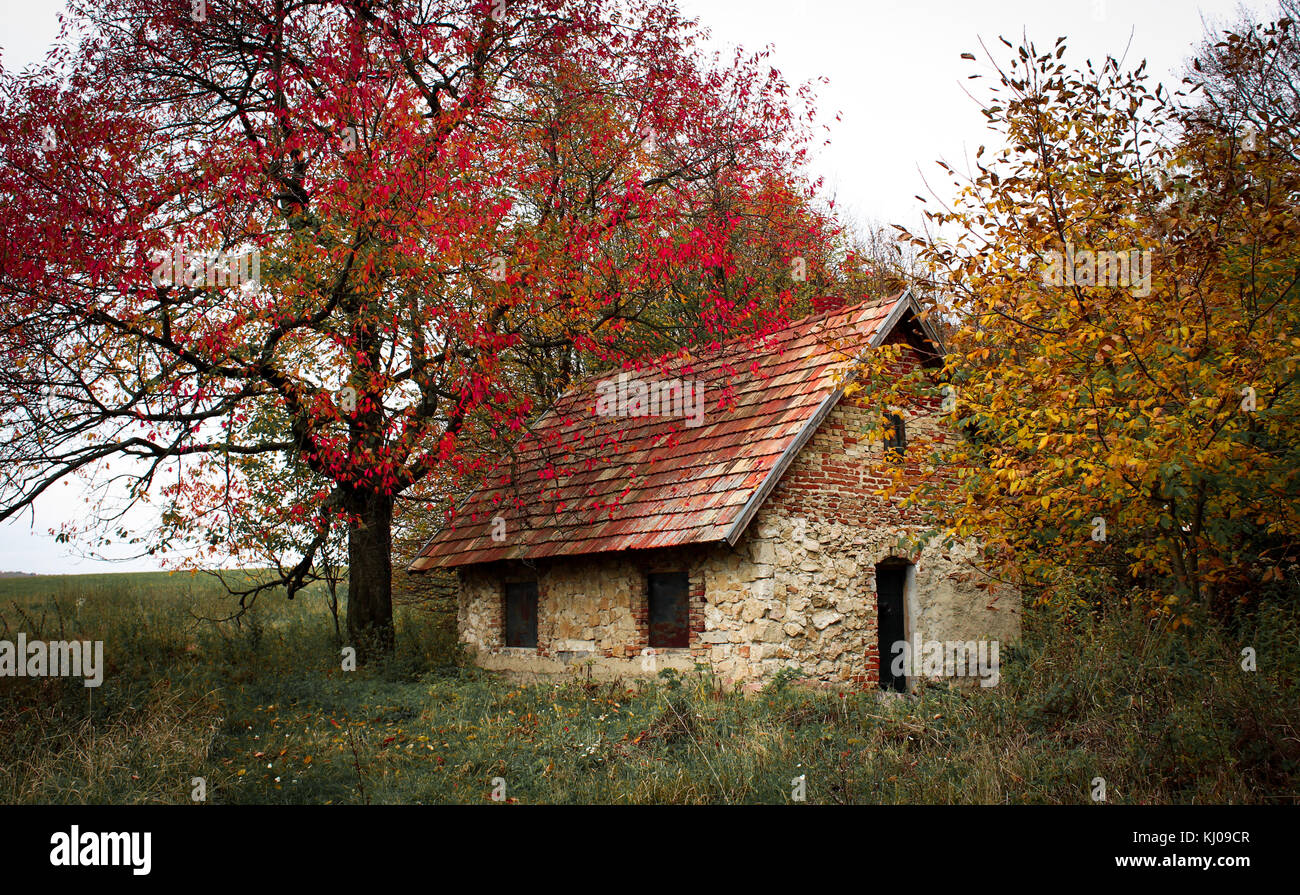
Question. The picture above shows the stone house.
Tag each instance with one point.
(719, 510)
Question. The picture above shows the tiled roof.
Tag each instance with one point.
(585, 482)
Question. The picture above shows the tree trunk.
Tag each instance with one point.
(370, 576)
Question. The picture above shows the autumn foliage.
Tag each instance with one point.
(1119, 285)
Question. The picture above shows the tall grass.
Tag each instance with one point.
(262, 711)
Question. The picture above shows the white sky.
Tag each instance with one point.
(896, 77)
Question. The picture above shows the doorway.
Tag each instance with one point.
(891, 621)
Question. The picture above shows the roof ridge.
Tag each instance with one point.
(737, 341)
(875, 301)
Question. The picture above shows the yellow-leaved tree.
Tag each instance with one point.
(1119, 288)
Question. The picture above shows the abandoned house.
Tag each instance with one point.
(719, 510)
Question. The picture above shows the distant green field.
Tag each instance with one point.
(28, 586)
(260, 709)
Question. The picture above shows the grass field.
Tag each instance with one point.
(261, 710)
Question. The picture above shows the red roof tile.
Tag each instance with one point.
(581, 482)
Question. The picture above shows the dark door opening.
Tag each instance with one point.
(521, 613)
(890, 622)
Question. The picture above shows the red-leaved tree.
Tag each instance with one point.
(272, 264)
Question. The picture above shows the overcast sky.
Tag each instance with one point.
(896, 77)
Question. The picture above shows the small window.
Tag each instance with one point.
(669, 610)
(521, 613)
(895, 435)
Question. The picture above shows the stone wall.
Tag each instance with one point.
(804, 590)
(592, 614)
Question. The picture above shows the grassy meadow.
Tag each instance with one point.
(260, 708)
